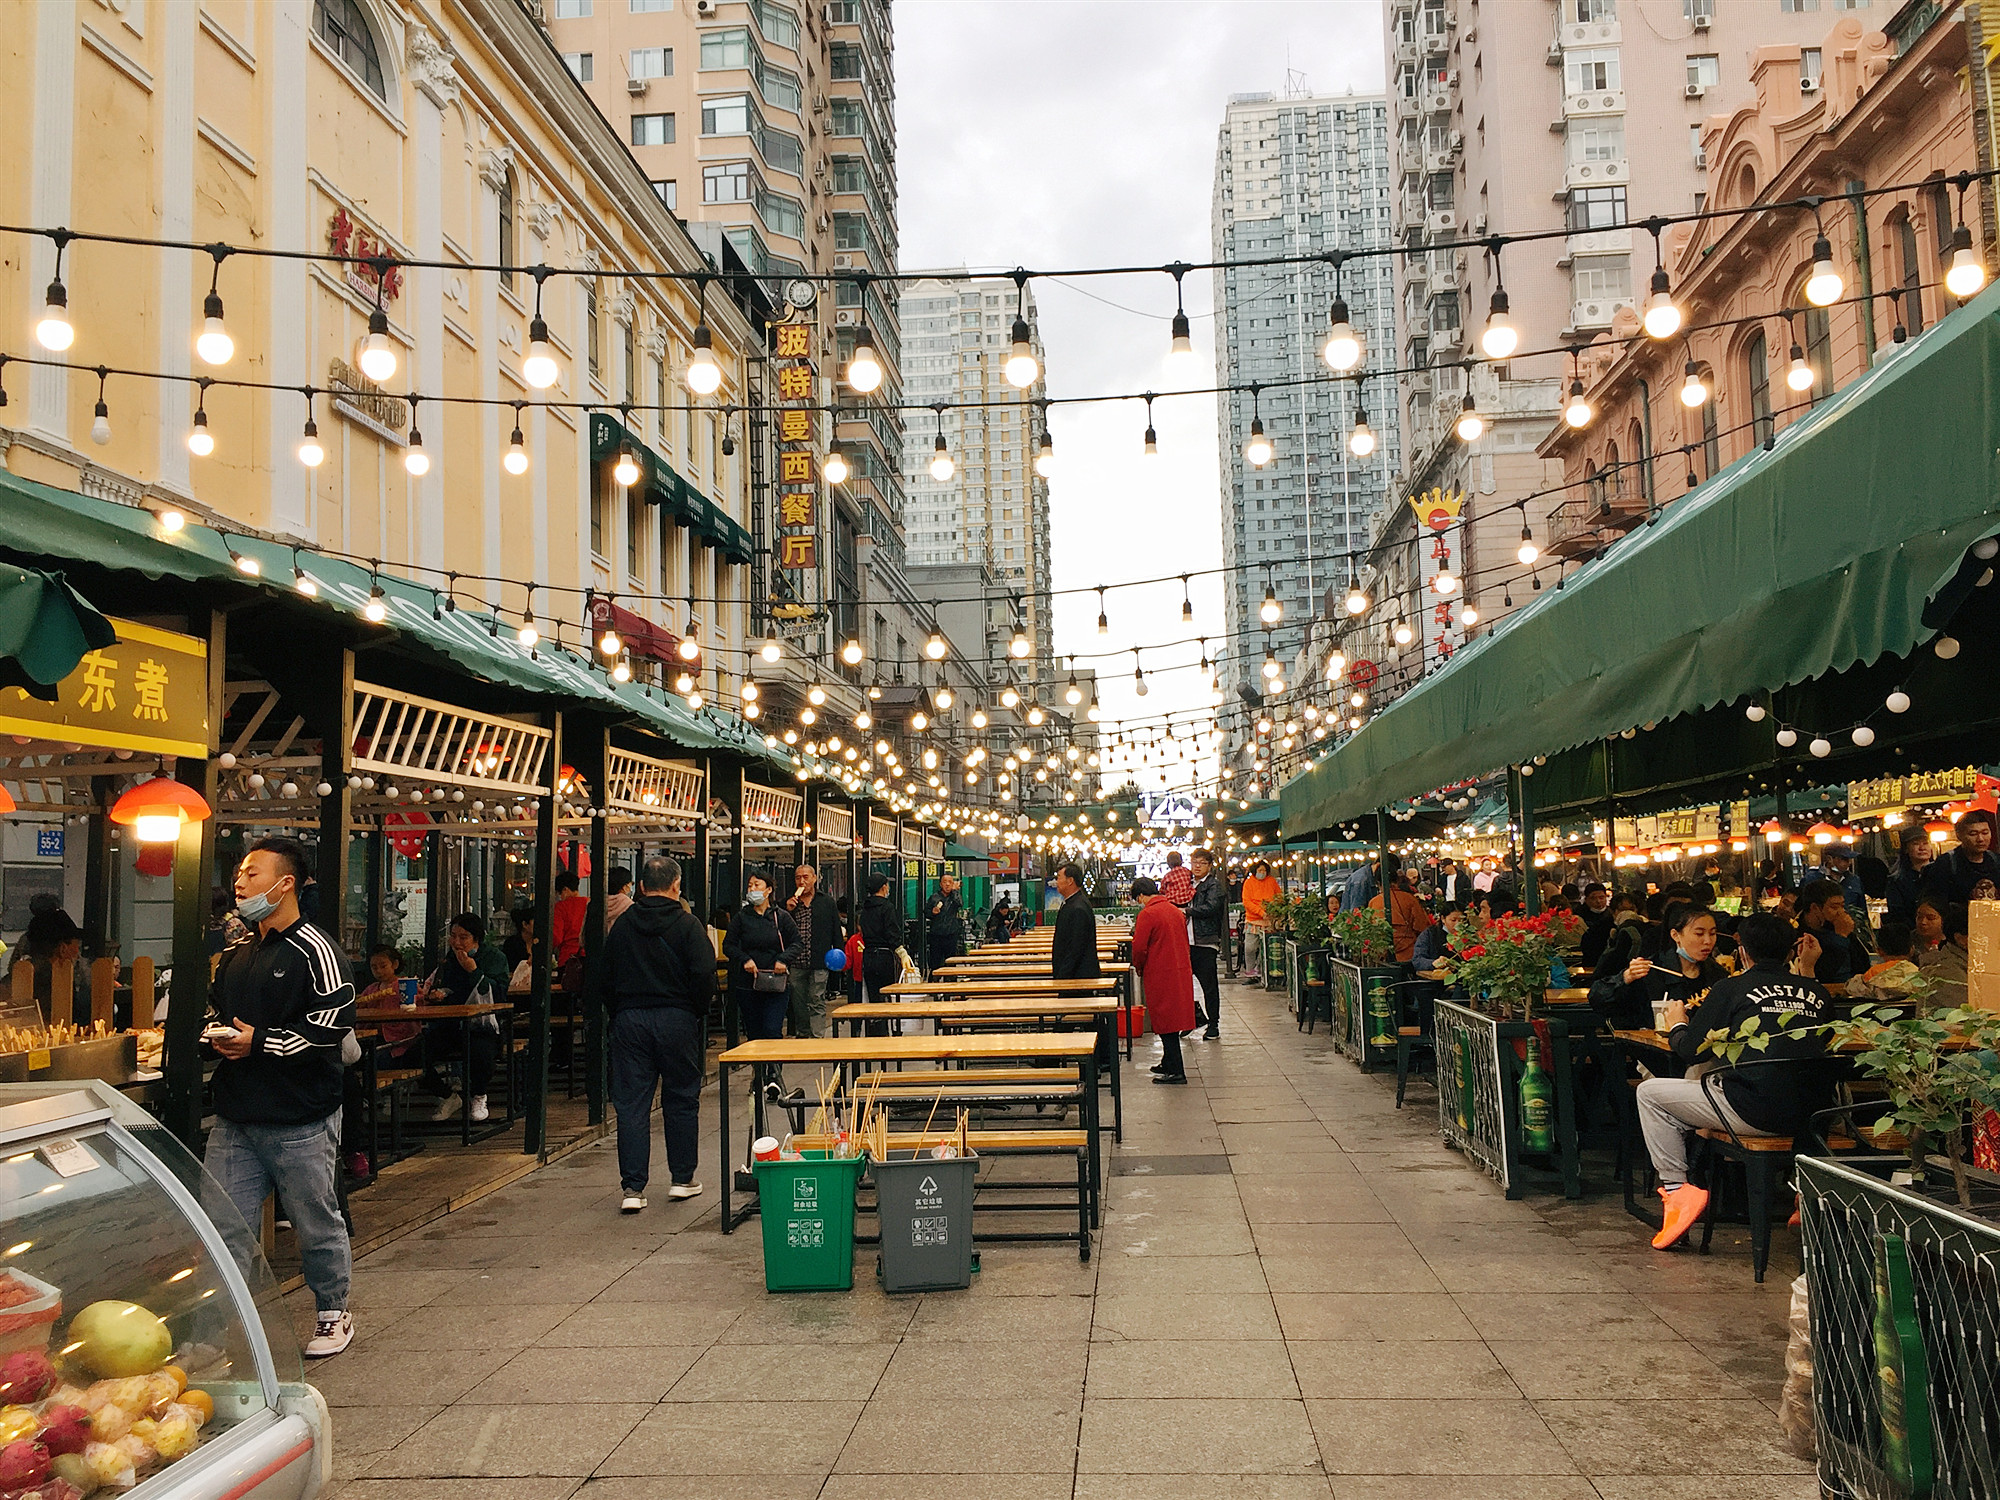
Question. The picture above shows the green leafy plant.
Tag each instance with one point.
(1278, 912)
(1309, 922)
(1366, 937)
(1508, 959)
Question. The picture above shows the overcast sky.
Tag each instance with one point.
(1074, 133)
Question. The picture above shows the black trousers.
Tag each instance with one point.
(1171, 1065)
(444, 1041)
(659, 1046)
(1206, 983)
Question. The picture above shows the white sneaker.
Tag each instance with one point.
(333, 1332)
(633, 1203)
(448, 1108)
(684, 1190)
(479, 1110)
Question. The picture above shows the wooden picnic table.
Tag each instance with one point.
(465, 1015)
(1096, 1006)
(847, 1053)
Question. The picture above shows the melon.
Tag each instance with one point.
(119, 1339)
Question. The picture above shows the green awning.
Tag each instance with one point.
(45, 628)
(959, 851)
(1813, 556)
(662, 485)
(42, 522)
(1258, 815)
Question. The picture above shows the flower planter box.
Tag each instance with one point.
(1367, 1009)
(1276, 945)
(1480, 1064)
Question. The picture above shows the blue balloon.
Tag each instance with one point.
(836, 959)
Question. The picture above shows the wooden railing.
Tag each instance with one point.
(882, 834)
(836, 826)
(772, 810)
(399, 734)
(649, 788)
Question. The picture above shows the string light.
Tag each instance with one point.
(942, 468)
(704, 375)
(935, 647)
(1694, 389)
(415, 460)
(1470, 423)
(303, 581)
(311, 454)
(1045, 455)
(1271, 610)
(1344, 347)
(1182, 362)
(1500, 337)
(1103, 620)
(1021, 368)
(1151, 447)
(213, 344)
(1527, 552)
(1967, 273)
(54, 331)
(626, 470)
(1663, 318)
(1187, 603)
(835, 467)
(528, 634)
(864, 366)
(1361, 441)
(1019, 647)
(1010, 697)
(1824, 285)
(1799, 374)
(200, 441)
(1357, 599)
(540, 369)
(515, 459)
(376, 610)
(1577, 410)
(851, 653)
(100, 420)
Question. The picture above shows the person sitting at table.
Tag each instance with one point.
(1683, 974)
(1917, 874)
(617, 894)
(385, 989)
(1823, 912)
(471, 973)
(1160, 952)
(763, 946)
(53, 937)
(1598, 920)
(1973, 860)
(1946, 964)
(1927, 930)
(1000, 921)
(520, 946)
(1430, 945)
(1779, 990)
(1889, 978)
(1407, 916)
(1626, 940)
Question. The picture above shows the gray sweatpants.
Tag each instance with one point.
(1668, 1109)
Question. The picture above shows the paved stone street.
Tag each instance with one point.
(1298, 1292)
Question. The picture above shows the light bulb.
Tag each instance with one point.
(1151, 448)
(935, 647)
(171, 519)
(1824, 286)
(1444, 583)
(771, 650)
(1009, 698)
(942, 698)
(1270, 611)
(378, 355)
(1271, 668)
(213, 343)
(836, 469)
(539, 369)
(1182, 361)
(415, 459)
(1577, 410)
(1357, 601)
(157, 828)
(1663, 318)
(310, 452)
(1799, 374)
(690, 646)
(626, 470)
(247, 565)
(622, 672)
(515, 460)
(1787, 737)
(749, 690)
(201, 442)
(1897, 702)
(816, 694)
(1018, 647)
(100, 425)
(1404, 635)
(1343, 348)
(1021, 367)
(695, 700)
(1470, 423)
(942, 468)
(851, 653)
(1754, 712)
(1035, 713)
(1500, 337)
(54, 332)
(1527, 551)
(527, 635)
(920, 721)
(1361, 441)
(1045, 456)
(1694, 390)
(704, 375)
(1468, 613)
(376, 610)
(1967, 273)
(864, 367)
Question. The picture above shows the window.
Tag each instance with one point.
(649, 7)
(1698, 10)
(631, 364)
(652, 62)
(1912, 310)
(1809, 66)
(781, 215)
(1604, 141)
(846, 117)
(635, 536)
(726, 183)
(850, 175)
(652, 130)
(1850, 4)
(850, 232)
(846, 62)
(597, 509)
(663, 189)
(1595, 10)
(778, 23)
(1602, 278)
(590, 329)
(1694, 146)
(1797, 7)
(1711, 437)
(507, 255)
(580, 65)
(728, 115)
(1596, 208)
(1705, 69)
(1591, 68)
(572, 10)
(660, 419)
(725, 49)
(1757, 360)
(1819, 347)
(340, 24)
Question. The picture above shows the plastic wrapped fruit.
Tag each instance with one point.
(141, 1454)
(26, 1375)
(109, 1423)
(178, 1433)
(109, 1463)
(65, 1429)
(119, 1338)
(17, 1422)
(201, 1403)
(74, 1470)
(24, 1464)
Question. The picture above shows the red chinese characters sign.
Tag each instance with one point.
(345, 237)
(798, 464)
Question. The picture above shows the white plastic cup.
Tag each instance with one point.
(1660, 1014)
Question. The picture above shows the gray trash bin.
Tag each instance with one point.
(925, 1209)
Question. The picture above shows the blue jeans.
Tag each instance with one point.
(659, 1046)
(301, 1163)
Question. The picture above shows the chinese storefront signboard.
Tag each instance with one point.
(1438, 546)
(798, 464)
(148, 691)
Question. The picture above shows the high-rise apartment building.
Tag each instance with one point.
(1304, 176)
(1580, 118)
(993, 510)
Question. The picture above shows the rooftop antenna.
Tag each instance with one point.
(1296, 84)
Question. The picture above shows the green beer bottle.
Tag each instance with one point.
(1537, 1103)
(1381, 1012)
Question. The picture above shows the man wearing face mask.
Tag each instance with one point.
(284, 1003)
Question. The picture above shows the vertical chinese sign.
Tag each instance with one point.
(798, 480)
(1439, 542)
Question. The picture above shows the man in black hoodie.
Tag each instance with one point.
(659, 972)
(1778, 988)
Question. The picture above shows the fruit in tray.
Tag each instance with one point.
(26, 1375)
(65, 1429)
(119, 1338)
(24, 1463)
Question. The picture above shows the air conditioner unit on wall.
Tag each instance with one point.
(1808, 85)
(843, 263)
(1696, 91)
(636, 85)
(1702, 23)
(704, 7)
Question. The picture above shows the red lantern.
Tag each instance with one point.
(6, 801)
(156, 809)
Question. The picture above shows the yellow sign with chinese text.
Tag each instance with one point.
(147, 691)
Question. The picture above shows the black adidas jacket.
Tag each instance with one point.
(292, 988)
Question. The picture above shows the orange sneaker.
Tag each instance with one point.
(1684, 1207)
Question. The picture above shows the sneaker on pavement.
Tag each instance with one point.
(448, 1108)
(1161, 1067)
(1211, 1035)
(332, 1332)
(773, 1092)
(633, 1203)
(684, 1190)
(1683, 1211)
(357, 1164)
(1171, 1078)
(479, 1110)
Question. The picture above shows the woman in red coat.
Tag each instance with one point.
(1160, 951)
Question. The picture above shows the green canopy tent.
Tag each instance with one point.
(46, 628)
(1810, 556)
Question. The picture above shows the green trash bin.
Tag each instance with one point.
(925, 1208)
(807, 1208)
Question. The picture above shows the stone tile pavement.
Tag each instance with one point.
(1298, 1293)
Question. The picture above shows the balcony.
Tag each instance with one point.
(1417, 272)
(1582, 174)
(1588, 34)
(1441, 221)
(1406, 108)
(1595, 312)
(1593, 103)
(1437, 100)
(1587, 525)
(1406, 50)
